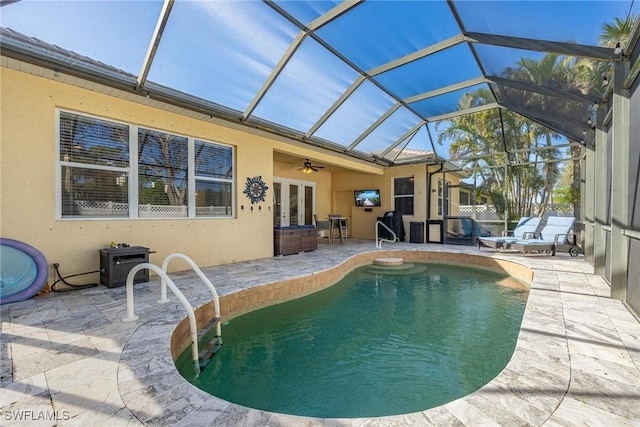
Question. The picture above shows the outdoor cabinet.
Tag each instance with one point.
(286, 240)
(116, 263)
(435, 231)
(294, 239)
(416, 232)
(308, 238)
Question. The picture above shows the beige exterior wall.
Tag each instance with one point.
(28, 107)
(28, 180)
(28, 183)
(362, 223)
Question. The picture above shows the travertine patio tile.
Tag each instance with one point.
(74, 350)
(575, 413)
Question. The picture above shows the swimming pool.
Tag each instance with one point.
(373, 344)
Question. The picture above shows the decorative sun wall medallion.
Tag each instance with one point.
(256, 189)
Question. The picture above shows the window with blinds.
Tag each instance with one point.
(97, 178)
(213, 179)
(94, 162)
(162, 175)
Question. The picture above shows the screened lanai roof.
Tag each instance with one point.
(378, 80)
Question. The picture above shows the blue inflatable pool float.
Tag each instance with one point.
(23, 271)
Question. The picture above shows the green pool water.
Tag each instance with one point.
(377, 343)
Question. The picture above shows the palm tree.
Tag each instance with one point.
(618, 32)
(594, 74)
(482, 137)
(479, 143)
(529, 179)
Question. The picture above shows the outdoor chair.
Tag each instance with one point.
(467, 227)
(338, 225)
(322, 225)
(555, 235)
(525, 227)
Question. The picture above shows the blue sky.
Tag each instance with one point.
(223, 51)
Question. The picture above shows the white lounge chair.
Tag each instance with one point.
(556, 235)
(526, 227)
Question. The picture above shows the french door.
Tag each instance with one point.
(294, 202)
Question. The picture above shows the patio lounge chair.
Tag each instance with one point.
(556, 235)
(467, 226)
(526, 227)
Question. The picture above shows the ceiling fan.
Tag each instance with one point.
(308, 168)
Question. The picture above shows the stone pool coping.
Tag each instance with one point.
(528, 391)
(575, 363)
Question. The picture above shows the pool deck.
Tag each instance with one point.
(69, 356)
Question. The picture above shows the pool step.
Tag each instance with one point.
(208, 342)
(388, 262)
(400, 269)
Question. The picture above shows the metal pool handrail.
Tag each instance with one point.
(131, 317)
(216, 298)
(379, 242)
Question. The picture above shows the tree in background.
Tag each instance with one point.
(566, 192)
(590, 75)
(481, 139)
(595, 75)
(534, 176)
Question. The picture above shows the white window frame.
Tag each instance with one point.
(132, 172)
(396, 196)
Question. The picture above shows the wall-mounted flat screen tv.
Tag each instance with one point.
(367, 198)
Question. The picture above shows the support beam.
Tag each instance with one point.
(572, 49)
(153, 45)
(446, 89)
(600, 189)
(588, 196)
(331, 15)
(411, 133)
(459, 113)
(335, 105)
(373, 127)
(430, 50)
(293, 47)
(310, 31)
(506, 193)
(620, 185)
(570, 128)
(544, 90)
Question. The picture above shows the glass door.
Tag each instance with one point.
(293, 202)
(277, 204)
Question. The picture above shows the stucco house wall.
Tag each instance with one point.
(362, 222)
(28, 175)
(28, 141)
